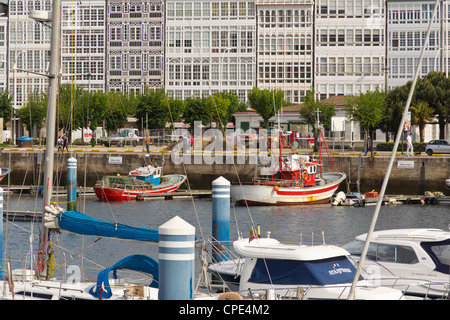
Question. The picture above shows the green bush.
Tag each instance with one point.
(387, 146)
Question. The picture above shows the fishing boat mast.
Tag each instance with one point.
(55, 55)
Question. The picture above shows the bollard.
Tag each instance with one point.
(71, 184)
(220, 218)
(1, 233)
(176, 260)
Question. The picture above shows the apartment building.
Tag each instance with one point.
(3, 52)
(83, 45)
(210, 47)
(349, 47)
(28, 49)
(407, 25)
(285, 46)
(135, 45)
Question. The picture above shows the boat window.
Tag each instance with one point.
(383, 252)
(440, 253)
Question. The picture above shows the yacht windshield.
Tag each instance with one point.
(440, 253)
(383, 252)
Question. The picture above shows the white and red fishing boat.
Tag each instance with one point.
(297, 180)
(4, 172)
(119, 188)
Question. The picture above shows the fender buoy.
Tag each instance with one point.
(276, 188)
(304, 175)
(230, 296)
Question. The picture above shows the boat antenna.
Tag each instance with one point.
(351, 295)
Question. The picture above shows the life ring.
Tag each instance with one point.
(230, 296)
(305, 175)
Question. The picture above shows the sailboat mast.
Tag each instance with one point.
(351, 295)
(55, 56)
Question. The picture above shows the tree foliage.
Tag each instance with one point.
(267, 103)
(196, 111)
(367, 109)
(308, 111)
(33, 112)
(5, 106)
(152, 109)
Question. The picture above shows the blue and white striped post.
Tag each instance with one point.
(1, 233)
(220, 218)
(71, 184)
(176, 260)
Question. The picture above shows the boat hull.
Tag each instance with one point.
(120, 194)
(259, 195)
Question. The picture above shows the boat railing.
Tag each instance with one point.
(276, 182)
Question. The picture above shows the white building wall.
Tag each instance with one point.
(350, 48)
(29, 49)
(3, 53)
(135, 45)
(285, 47)
(83, 43)
(407, 25)
(210, 47)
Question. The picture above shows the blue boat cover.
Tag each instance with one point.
(134, 262)
(293, 272)
(77, 222)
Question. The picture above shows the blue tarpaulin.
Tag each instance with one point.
(77, 222)
(293, 272)
(135, 262)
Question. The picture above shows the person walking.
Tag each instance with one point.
(60, 143)
(410, 148)
(65, 143)
(147, 143)
(369, 146)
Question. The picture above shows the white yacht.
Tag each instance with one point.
(417, 261)
(321, 271)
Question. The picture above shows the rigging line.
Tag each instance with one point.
(7, 230)
(187, 179)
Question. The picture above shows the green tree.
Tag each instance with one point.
(150, 107)
(308, 112)
(434, 88)
(392, 113)
(421, 114)
(367, 109)
(218, 107)
(119, 106)
(196, 111)
(5, 107)
(34, 111)
(176, 108)
(267, 103)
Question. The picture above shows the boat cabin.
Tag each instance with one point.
(299, 169)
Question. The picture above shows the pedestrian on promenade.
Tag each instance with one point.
(65, 143)
(369, 146)
(60, 143)
(147, 143)
(410, 148)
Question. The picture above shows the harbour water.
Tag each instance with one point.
(287, 224)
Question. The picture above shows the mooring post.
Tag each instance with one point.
(71, 184)
(176, 260)
(220, 218)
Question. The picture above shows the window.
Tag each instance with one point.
(383, 252)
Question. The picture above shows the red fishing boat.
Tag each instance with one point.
(114, 188)
(297, 180)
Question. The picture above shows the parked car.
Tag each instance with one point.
(437, 146)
